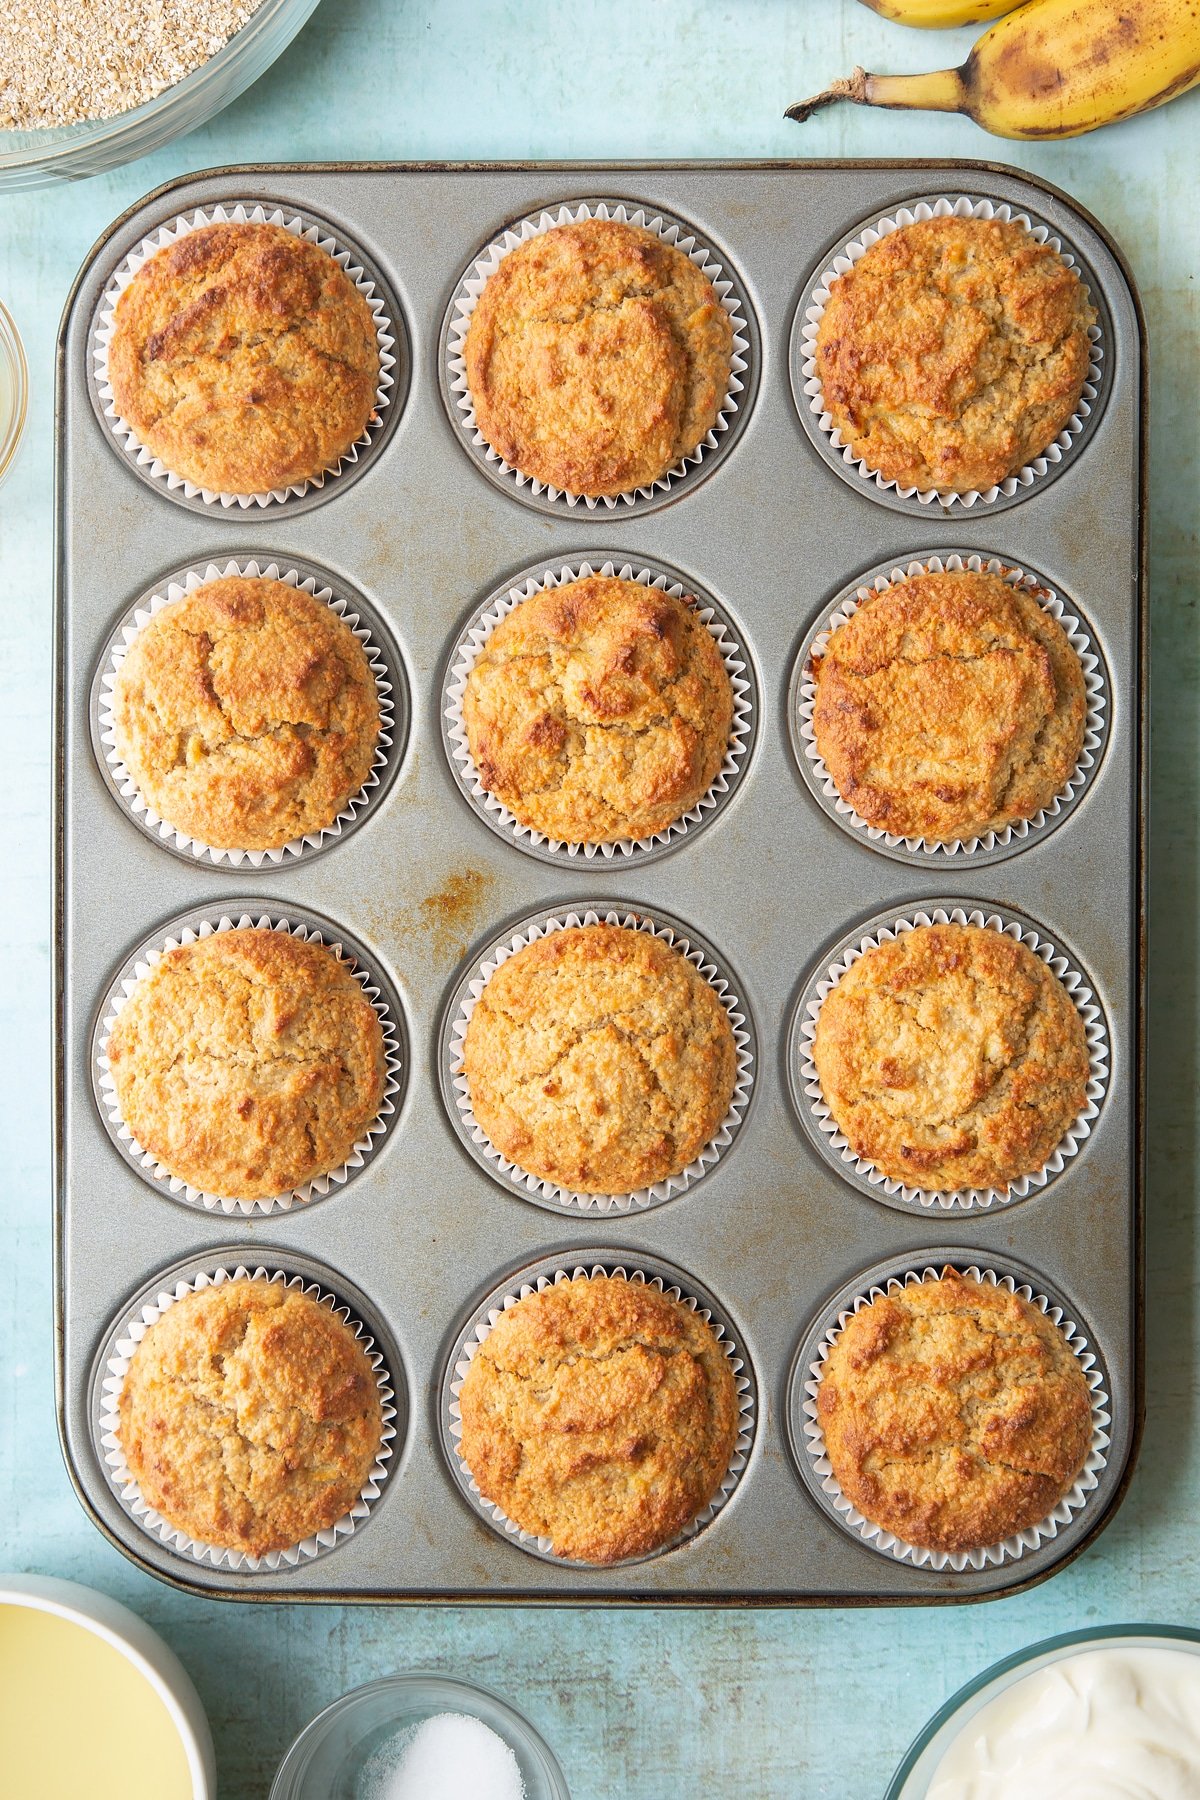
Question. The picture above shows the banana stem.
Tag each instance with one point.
(855, 88)
(940, 91)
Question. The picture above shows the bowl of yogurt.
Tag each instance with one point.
(1104, 1714)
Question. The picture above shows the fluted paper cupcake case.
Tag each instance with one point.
(477, 635)
(1011, 837)
(124, 435)
(545, 1192)
(1009, 1549)
(484, 264)
(859, 1168)
(129, 1334)
(500, 1303)
(122, 782)
(147, 1165)
(816, 297)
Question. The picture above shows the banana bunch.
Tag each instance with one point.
(934, 15)
(1049, 69)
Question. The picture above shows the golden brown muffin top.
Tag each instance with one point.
(244, 358)
(955, 1413)
(250, 1416)
(246, 713)
(600, 1414)
(248, 1062)
(952, 1057)
(949, 705)
(599, 710)
(597, 357)
(953, 352)
(597, 1057)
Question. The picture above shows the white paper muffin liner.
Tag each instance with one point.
(123, 783)
(477, 635)
(125, 436)
(129, 1335)
(519, 1180)
(1095, 721)
(957, 1199)
(817, 297)
(148, 1165)
(1010, 1548)
(452, 1421)
(488, 260)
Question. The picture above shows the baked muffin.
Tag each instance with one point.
(244, 358)
(597, 357)
(597, 1057)
(949, 705)
(600, 1414)
(250, 1416)
(599, 710)
(955, 1413)
(246, 713)
(248, 1062)
(953, 352)
(952, 1057)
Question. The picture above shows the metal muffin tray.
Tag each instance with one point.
(772, 530)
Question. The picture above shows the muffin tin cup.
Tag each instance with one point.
(992, 846)
(457, 1097)
(806, 383)
(742, 369)
(808, 1439)
(122, 1340)
(550, 1273)
(621, 851)
(389, 683)
(300, 225)
(818, 1120)
(188, 929)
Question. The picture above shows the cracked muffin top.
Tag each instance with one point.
(248, 1062)
(597, 356)
(600, 1414)
(246, 713)
(953, 352)
(949, 705)
(599, 710)
(597, 1057)
(250, 1416)
(952, 1057)
(955, 1413)
(244, 358)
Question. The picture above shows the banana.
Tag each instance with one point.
(935, 15)
(1052, 69)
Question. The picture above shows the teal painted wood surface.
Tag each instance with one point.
(772, 1705)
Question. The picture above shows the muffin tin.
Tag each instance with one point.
(767, 882)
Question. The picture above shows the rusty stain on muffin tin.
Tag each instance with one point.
(774, 1230)
(450, 915)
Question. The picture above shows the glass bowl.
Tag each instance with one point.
(14, 391)
(67, 152)
(328, 1757)
(911, 1780)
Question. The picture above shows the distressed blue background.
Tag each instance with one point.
(778, 1706)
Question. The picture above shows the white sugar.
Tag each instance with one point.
(447, 1757)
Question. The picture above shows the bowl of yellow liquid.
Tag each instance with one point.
(14, 391)
(92, 1702)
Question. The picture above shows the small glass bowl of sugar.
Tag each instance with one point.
(419, 1737)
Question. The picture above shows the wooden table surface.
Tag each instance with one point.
(771, 1705)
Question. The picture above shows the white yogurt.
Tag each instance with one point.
(1102, 1725)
